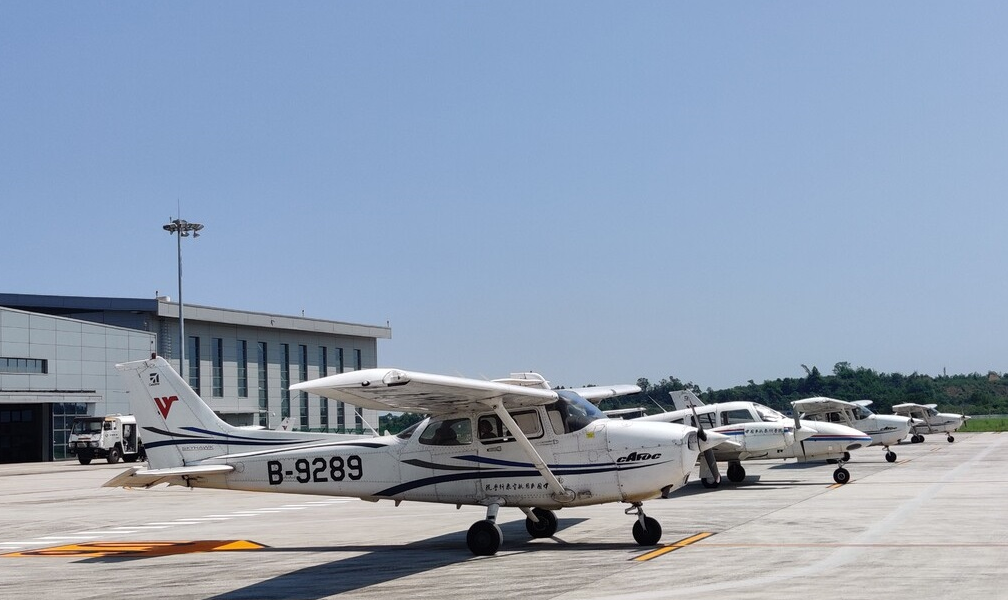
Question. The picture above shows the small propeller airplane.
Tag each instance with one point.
(927, 419)
(761, 432)
(884, 430)
(506, 443)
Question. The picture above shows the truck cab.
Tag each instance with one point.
(110, 437)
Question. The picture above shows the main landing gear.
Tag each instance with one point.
(485, 537)
(890, 456)
(916, 438)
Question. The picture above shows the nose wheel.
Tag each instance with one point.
(646, 530)
(841, 475)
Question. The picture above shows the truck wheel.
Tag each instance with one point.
(84, 460)
(114, 454)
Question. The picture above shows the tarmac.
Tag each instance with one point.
(933, 524)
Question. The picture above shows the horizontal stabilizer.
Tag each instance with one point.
(138, 477)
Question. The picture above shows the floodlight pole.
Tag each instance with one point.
(181, 229)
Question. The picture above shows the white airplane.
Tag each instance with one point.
(504, 443)
(927, 419)
(884, 430)
(766, 434)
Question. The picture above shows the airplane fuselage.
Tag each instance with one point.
(609, 460)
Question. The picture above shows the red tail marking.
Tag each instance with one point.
(164, 405)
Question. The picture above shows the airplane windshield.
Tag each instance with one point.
(405, 434)
(572, 412)
(768, 414)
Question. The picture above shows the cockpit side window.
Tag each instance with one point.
(708, 420)
(491, 430)
(731, 417)
(450, 432)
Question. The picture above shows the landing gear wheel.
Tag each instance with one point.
(649, 536)
(113, 455)
(484, 538)
(546, 526)
(736, 472)
(890, 456)
(84, 460)
(707, 483)
(841, 475)
(951, 439)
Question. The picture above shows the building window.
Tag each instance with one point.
(218, 368)
(192, 351)
(323, 369)
(358, 362)
(63, 415)
(242, 369)
(303, 367)
(340, 407)
(31, 366)
(284, 381)
(263, 387)
(358, 419)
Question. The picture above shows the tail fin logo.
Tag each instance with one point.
(164, 405)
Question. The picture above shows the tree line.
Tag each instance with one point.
(972, 394)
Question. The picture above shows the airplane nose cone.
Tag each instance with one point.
(804, 433)
(713, 439)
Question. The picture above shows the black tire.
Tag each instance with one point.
(649, 536)
(890, 456)
(951, 439)
(546, 526)
(841, 475)
(84, 460)
(114, 454)
(736, 473)
(484, 538)
(707, 483)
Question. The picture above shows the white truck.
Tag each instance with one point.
(110, 437)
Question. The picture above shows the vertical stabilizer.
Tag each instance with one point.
(178, 428)
(683, 399)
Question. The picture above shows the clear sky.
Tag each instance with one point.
(598, 191)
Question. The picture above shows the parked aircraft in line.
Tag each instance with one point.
(766, 433)
(927, 419)
(506, 443)
(884, 430)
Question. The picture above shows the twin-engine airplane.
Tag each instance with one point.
(884, 430)
(762, 433)
(505, 443)
(927, 419)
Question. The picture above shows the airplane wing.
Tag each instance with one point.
(138, 477)
(908, 409)
(820, 405)
(412, 391)
(600, 392)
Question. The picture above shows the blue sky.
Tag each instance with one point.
(598, 191)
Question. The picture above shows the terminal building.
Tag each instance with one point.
(58, 356)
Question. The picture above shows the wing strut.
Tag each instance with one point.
(560, 493)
